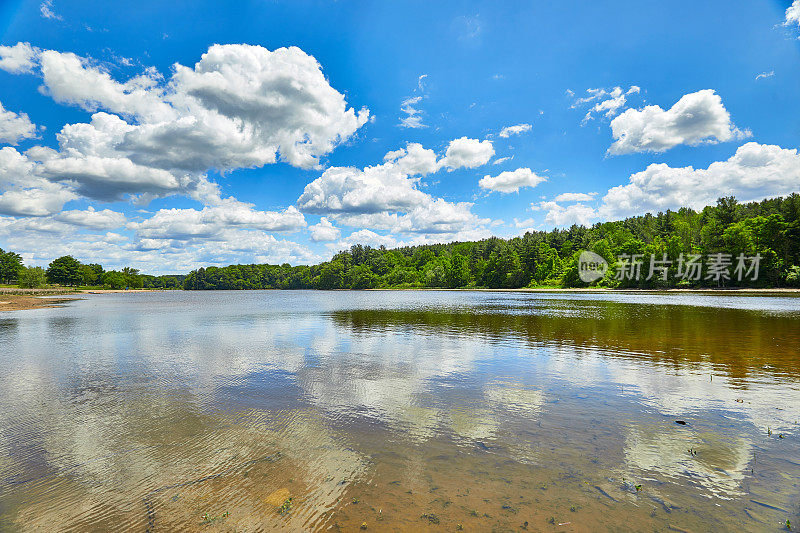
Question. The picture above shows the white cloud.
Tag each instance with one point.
(766, 74)
(413, 159)
(41, 239)
(501, 160)
(511, 181)
(18, 59)
(607, 102)
(517, 129)
(105, 219)
(754, 172)
(793, 14)
(212, 222)
(240, 106)
(387, 196)
(46, 199)
(391, 186)
(365, 237)
(575, 197)
(25, 191)
(46, 9)
(558, 215)
(696, 118)
(70, 79)
(439, 217)
(324, 231)
(351, 190)
(15, 127)
(467, 153)
(413, 115)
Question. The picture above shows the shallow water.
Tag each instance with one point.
(207, 411)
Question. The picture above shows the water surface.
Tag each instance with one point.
(208, 411)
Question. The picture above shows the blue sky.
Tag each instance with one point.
(170, 135)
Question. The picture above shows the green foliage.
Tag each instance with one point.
(10, 266)
(32, 278)
(64, 271)
(88, 275)
(770, 228)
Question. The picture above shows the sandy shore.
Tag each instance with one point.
(16, 302)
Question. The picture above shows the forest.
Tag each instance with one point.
(769, 230)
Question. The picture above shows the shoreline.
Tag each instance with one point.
(24, 299)
(17, 302)
(732, 290)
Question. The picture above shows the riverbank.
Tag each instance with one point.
(17, 302)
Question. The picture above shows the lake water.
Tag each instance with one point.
(208, 411)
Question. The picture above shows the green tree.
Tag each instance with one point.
(363, 278)
(88, 275)
(114, 280)
(32, 278)
(332, 276)
(10, 266)
(64, 271)
(458, 273)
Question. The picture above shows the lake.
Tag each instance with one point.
(394, 411)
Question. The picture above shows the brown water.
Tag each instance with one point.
(401, 411)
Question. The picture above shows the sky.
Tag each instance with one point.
(170, 135)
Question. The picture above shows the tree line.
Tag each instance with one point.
(69, 272)
(768, 230)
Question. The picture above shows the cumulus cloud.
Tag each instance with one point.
(517, 129)
(754, 172)
(575, 197)
(370, 190)
(467, 153)
(365, 237)
(24, 191)
(324, 231)
(70, 79)
(511, 181)
(240, 106)
(559, 215)
(696, 118)
(212, 221)
(105, 219)
(387, 196)
(391, 186)
(43, 200)
(414, 159)
(15, 127)
(606, 102)
(793, 14)
(41, 239)
(18, 59)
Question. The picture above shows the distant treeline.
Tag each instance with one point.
(769, 230)
(68, 271)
